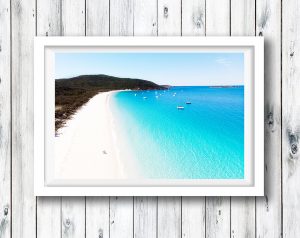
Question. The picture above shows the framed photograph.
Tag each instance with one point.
(149, 116)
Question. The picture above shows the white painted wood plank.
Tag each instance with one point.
(145, 18)
(193, 217)
(48, 208)
(145, 208)
(121, 17)
(242, 208)
(145, 217)
(218, 17)
(97, 217)
(218, 208)
(217, 217)
(97, 17)
(290, 117)
(169, 208)
(169, 217)
(121, 208)
(169, 17)
(242, 217)
(5, 120)
(97, 208)
(193, 208)
(73, 217)
(73, 209)
(48, 217)
(121, 217)
(268, 208)
(23, 200)
(242, 17)
(48, 18)
(193, 17)
(73, 17)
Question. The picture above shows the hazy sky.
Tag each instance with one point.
(161, 68)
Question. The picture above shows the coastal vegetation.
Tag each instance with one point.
(72, 93)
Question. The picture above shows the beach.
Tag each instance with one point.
(87, 143)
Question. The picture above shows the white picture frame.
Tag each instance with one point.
(251, 185)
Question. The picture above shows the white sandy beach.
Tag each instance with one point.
(87, 144)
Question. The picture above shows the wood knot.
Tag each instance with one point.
(294, 149)
(100, 231)
(6, 209)
(67, 223)
(293, 140)
(260, 33)
(270, 120)
(166, 12)
(292, 54)
(198, 23)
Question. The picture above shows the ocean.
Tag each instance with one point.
(204, 140)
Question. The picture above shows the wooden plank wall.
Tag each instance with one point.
(274, 215)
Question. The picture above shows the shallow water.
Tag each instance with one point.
(205, 140)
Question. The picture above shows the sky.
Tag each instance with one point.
(177, 69)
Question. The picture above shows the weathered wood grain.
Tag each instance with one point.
(290, 118)
(48, 19)
(121, 208)
(193, 217)
(121, 17)
(5, 120)
(218, 208)
(242, 208)
(73, 209)
(73, 17)
(169, 17)
(169, 217)
(268, 208)
(217, 217)
(145, 208)
(145, 217)
(23, 201)
(121, 217)
(193, 17)
(73, 217)
(97, 208)
(145, 18)
(193, 208)
(97, 217)
(218, 18)
(169, 208)
(48, 23)
(48, 222)
(97, 17)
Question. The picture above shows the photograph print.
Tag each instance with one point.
(150, 115)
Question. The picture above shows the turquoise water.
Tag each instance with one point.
(203, 141)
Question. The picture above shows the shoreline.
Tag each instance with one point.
(88, 143)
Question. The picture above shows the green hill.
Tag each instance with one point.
(72, 93)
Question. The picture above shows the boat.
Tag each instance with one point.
(188, 103)
(135, 94)
(144, 97)
(180, 107)
(156, 96)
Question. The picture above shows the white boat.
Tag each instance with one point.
(144, 97)
(180, 107)
(188, 103)
(135, 94)
(156, 96)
